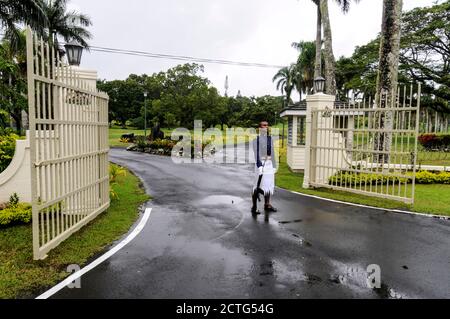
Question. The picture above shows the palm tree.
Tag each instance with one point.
(12, 82)
(13, 12)
(330, 62)
(69, 25)
(389, 49)
(285, 78)
(323, 21)
(318, 56)
(305, 66)
(387, 79)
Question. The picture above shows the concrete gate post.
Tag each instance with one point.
(318, 101)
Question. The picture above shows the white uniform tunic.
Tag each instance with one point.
(268, 178)
(266, 158)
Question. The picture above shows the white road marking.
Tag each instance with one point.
(99, 260)
(371, 207)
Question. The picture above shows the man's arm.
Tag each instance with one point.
(274, 153)
(256, 153)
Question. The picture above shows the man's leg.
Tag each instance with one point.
(267, 205)
(254, 202)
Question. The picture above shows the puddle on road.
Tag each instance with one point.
(216, 200)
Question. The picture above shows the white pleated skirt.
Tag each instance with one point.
(268, 179)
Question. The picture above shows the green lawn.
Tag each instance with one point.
(115, 133)
(431, 199)
(20, 276)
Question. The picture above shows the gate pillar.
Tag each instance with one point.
(315, 102)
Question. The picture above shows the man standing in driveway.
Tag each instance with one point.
(265, 168)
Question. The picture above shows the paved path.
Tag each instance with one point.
(202, 242)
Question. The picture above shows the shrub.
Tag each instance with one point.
(141, 142)
(127, 138)
(355, 179)
(160, 146)
(352, 179)
(435, 141)
(7, 148)
(13, 200)
(115, 171)
(425, 177)
(19, 214)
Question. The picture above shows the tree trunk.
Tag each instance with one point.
(387, 80)
(318, 63)
(16, 115)
(330, 63)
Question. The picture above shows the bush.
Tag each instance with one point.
(19, 214)
(159, 146)
(13, 200)
(127, 138)
(425, 177)
(141, 142)
(7, 148)
(435, 141)
(355, 179)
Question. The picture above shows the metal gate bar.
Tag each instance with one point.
(367, 149)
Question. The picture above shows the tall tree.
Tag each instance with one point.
(387, 79)
(285, 78)
(69, 25)
(305, 66)
(425, 52)
(330, 62)
(12, 83)
(318, 56)
(13, 12)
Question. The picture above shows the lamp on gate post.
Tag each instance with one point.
(319, 84)
(145, 113)
(74, 52)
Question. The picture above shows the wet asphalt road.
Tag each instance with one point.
(202, 242)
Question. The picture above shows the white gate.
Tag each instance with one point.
(366, 149)
(68, 147)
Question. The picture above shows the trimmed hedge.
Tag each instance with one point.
(425, 177)
(16, 214)
(435, 141)
(354, 179)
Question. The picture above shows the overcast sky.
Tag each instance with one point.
(242, 30)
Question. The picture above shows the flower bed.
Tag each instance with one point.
(159, 146)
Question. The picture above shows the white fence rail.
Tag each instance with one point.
(68, 147)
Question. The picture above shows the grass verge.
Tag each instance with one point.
(22, 277)
(429, 199)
